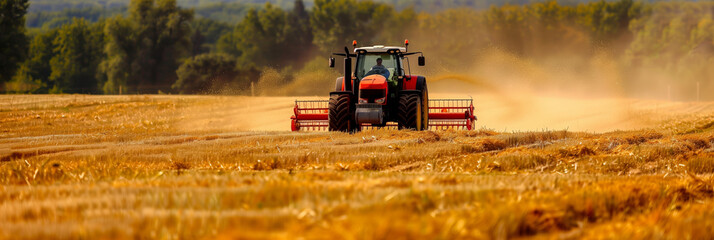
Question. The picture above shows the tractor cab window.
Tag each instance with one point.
(367, 65)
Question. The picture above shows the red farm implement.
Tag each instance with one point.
(312, 115)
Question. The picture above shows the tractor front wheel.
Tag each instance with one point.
(410, 115)
(340, 115)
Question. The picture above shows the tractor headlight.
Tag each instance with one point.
(380, 100)
(362, 100)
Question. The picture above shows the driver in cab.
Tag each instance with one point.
(379, 69)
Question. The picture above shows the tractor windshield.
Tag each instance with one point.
(367, 65)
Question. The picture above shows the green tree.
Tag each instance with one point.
(442, 36)
(400, 26)
(51, 19)
(13, 42)
(269, 37)
(299, 36)
(77, 54)
(336, 23)
(608, 21)
(121, 51)
(258, 32)
(225, 12)
(35, 71)
(143, 50)
(210, 31)
(213, 73)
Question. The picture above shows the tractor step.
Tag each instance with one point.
(311, 115)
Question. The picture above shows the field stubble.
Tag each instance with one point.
(203, 167)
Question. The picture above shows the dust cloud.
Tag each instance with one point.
(500, 111)
(510, 93)
(578, 86)
(515, 94)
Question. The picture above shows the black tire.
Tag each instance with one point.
(340, 117)
(425, 108)
(409, 115)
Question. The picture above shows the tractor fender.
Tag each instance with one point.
(338, 84)
(402, 92)
(413, 82)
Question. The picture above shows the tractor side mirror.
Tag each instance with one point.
(422, 61)
(332, 62)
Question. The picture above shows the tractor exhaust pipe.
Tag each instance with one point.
(348, 72)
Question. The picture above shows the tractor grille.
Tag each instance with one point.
(371, 94)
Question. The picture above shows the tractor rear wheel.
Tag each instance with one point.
(340, 117)
(409, 115)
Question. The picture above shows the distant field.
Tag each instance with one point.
(176, 167)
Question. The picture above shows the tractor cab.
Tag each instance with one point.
(391, 62)
(377, 69)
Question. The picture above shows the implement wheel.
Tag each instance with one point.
(410, 115)
(340, 114)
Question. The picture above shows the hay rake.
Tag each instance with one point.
(312, 115)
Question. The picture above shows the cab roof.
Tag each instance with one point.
(380, 49)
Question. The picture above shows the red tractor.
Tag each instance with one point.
(381, 92)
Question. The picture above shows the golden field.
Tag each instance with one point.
(186, 167)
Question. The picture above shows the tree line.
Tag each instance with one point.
(46, 20)
(60, 5)
(157, 46)
(431, 6)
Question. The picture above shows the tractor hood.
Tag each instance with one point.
(374, 81)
